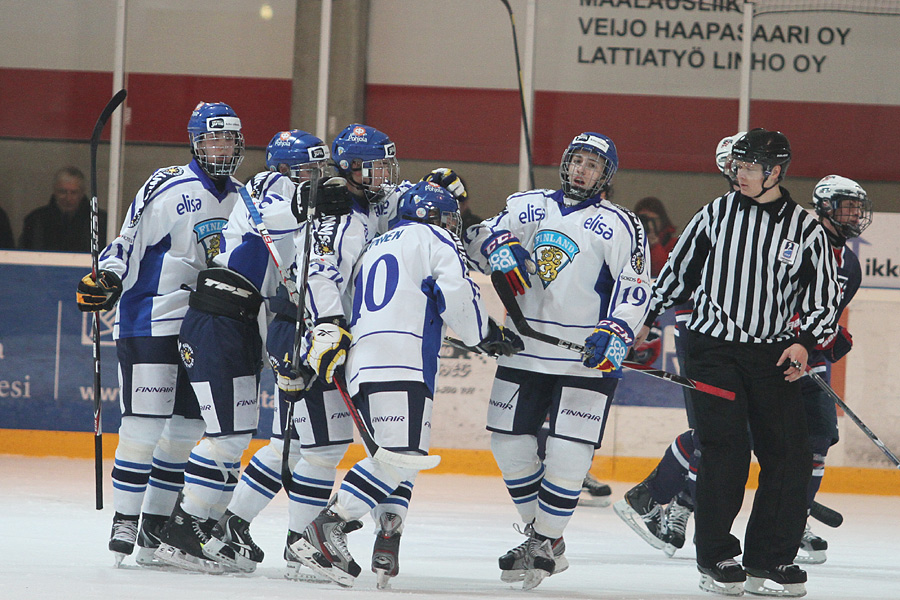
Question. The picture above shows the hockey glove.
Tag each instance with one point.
(607, 347)
(647, 352)
(838, 346)
(328, 348)
(450, 181)
(333, 198)
(94, 296)
(500, 341)
(290, 378)
(505, 253)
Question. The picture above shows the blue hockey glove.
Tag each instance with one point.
(500, 341)
(94, 296)
(328, 348)
(607, 347)
(505, 253)
(838, 347)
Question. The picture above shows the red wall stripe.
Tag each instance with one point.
(64, 105)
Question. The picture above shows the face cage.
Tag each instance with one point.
(377, 175)
(301, 172)
(577, 193)
(850, 230)
(451, 221)
(218, 166)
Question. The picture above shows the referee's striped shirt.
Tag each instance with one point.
(750, 267)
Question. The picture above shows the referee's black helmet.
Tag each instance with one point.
(764, 147)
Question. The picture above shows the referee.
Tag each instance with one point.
(752, 259)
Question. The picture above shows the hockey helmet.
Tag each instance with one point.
(377, 158)
(302, 152)
(605, 155)
(217, 143)
(428, 202)
(844, 203)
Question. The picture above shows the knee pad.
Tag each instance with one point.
(138, 437)
(326, 457)
(516, 455)
(179, 437)
(224, 450)
(567, 462)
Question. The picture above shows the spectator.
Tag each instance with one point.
(65, 223)
(6, 235)
(660, 231)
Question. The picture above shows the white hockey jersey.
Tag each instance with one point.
(243, 249)
(410, 283)
(592, 263)
(170, 234)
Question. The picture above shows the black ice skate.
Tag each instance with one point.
(643, 514)
(230, 544)
(726, 578)
(783, 580)
(676, 519)
(512, 564)
(122, 536)
(297, 571)
(181, 544)
(148, 541)
(812, 549)
(386, 553)
(323, 548)
(594, 492)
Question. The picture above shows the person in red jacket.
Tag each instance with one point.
(659, 228)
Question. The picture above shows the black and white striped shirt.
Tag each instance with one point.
(750, 268)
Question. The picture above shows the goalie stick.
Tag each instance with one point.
(405, 461)
(508, 298)
(107, 112)
(837, 400)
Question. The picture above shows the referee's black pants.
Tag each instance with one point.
(777, 422)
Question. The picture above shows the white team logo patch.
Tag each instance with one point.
(553, 251)
(788, 252)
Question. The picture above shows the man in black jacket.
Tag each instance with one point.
(65, 223)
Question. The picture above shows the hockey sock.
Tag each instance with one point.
(260, 481)
(368, 483)
(208, 469)
(672, 471)
(397, 502)
(311, 482)
(820, 448)
(170, 457)
(131, 470)
(566, 464)
(516, 455)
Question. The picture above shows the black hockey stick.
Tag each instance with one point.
(111, 106)
(508, 298)
(826, 515)
(837, 400)
(512, 22)
(418, 462)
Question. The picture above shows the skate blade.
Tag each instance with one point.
(306, 554)
(533, 578)
(586, 499)
(512, 575)
(146, 558)
(810, 557)
(298, 572)
(634, 520)
(382, 579)
(118, 557)
(178, 558)
(708, 584)
(225, 555)
(758, 587)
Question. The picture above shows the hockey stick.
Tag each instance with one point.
(508, 298)
(826, 515)
(512, 22)
(837, 400)
(406, 461)
(111, 106)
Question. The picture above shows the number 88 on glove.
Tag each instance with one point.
(606, 348)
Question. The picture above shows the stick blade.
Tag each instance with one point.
(418, 462)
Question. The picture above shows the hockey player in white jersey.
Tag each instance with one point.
(593, 282)
(221, 347)
(170, 233)
(410, 283)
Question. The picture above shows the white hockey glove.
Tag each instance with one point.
(328, 348)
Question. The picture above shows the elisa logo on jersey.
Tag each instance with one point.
(788, 252)
(637, 262)
(554, 252)
(187, 354)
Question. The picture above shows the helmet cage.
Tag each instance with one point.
(605, 152)
(219, 153)
(302, 153)
(845, 204)
(377, 175)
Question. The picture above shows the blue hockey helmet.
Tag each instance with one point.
(428, 202)
(301, 152)
(369, 152)
(590, 151)
(217, 143)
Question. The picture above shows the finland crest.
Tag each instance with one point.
(553, 251)
(208, 235)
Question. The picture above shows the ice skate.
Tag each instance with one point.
(642, 514)
(676, 519)
(148, 541)
(230, 544)
(784, 580)
(812, 549)
(323, 548)
(181, 544)
(122, 537)
(297, 571)
(726, 578)
(594, 493)
(386, 553)
(512, 564)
